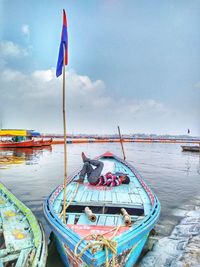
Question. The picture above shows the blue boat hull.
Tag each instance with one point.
(131, 256)
(129, 242)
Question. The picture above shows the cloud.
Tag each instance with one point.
(10, 49)
(25, 29)
(35, 101)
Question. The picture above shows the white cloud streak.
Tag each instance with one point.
(10, 49)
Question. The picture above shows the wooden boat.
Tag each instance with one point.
(26, 143)
(22, 138)
(10, 144)
(22, 239)
(104, 235)
(191, 148)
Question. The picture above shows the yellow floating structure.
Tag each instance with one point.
(16, 132)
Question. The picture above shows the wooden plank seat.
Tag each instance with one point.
(109, 210)
(111, 199)
(114, 196)
(102, 219)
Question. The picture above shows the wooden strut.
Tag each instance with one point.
(126, 217)
(91, 216)
(121, 141)
(65, 143)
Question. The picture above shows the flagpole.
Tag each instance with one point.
(65, 144)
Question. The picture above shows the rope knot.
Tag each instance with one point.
(96, 243)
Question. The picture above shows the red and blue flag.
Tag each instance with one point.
(63, 47)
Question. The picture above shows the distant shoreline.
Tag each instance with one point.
(60, 140)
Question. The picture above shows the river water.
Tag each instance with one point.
(31, 174)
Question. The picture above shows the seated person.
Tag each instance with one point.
(94, 175)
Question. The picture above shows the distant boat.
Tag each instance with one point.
(26, 143)
(22, 139)
(10, 144)
(191, 148)
(118, 218)
(22, 239)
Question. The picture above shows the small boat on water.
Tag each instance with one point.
(191, 148)
(11, 144)
(105, 226)
(22, 239)
(22, 139)
(26, 143)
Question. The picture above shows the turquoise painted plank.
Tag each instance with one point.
(101, 195)
(84, 196)
(146, 200)
(7, 257)
(117, 189)
(95, 196)
(69, 194)
(120, 220)
(71, 218)
(115, 220)
(89, 195)
(147, 208)
(79, 194)
(101, 220)
(108, 196)
(84, 220)
(122, 198)
(134, 190)
(57, 206)
(114, 197)
(110, 220)
(135, 199)
(23, 256)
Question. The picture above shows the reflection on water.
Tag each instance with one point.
(13, 156)
(31, 174)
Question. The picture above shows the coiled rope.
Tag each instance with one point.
(99, 242)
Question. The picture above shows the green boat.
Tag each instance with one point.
(22, 239)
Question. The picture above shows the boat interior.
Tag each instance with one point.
(16, 238)
(105, 203)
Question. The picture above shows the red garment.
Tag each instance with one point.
(109, 179)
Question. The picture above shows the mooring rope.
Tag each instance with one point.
(101, 242)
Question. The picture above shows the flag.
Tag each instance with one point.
(63, 45)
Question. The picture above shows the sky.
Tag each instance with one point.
(132, 63)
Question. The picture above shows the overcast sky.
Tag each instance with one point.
(131, 63)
